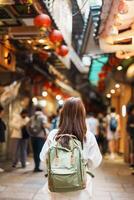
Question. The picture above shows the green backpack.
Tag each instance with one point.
(66, 167)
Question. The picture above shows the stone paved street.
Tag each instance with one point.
(113, 181)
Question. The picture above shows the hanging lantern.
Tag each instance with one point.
(123, 7)
(56, 36)
(42, 20)
(102, 75)
(62, 50)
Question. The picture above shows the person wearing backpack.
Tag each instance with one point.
(37, 129)
(113, 132)
(70, 152)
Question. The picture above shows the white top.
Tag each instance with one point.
(92, 125)
(16, 124)
(91, 153)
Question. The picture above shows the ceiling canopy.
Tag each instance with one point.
(117, 28)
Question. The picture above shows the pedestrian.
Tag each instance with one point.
(113, 132)
(130, 130)
(102, 138)
(55, 120)
(25, 138)
(93, 124)
(19, 143)
(72, 123)
(37, 129)
(2, 130)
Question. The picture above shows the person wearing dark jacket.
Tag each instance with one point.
(37, 129)
(2, 129)
(130, 130)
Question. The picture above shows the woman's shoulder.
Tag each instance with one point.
(90, 138)
(52, 134)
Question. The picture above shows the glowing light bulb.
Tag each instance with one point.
(35, 101)
(112, 91)
(41, 41)
(44, 93)
(108, 96)
(58, 97)
(119, 68)
(117, 85)
(61, 102)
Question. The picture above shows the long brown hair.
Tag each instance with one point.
(72, 121)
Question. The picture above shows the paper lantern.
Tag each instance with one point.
(62, 50)
(56, 36)
(102, 75)
(42, 20)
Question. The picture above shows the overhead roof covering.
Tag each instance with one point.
(117, 28)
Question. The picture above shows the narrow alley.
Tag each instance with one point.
(66, 99)
(113, 181)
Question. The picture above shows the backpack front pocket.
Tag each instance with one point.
(64, 182)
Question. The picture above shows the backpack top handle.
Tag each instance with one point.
(65, 135)
(59, 137)
(73, 137)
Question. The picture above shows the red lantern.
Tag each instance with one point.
(62, 50)
(102, 75)
(42, 20)
(56, 36)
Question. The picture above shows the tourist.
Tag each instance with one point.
(72, 122)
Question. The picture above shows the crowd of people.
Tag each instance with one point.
(34, 130)
(70, 144)
(106, 129)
